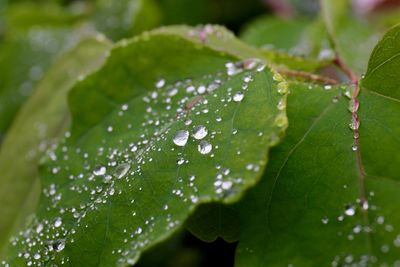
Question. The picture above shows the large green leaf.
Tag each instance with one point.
(165, 125)
(40, 122)
(328, 197)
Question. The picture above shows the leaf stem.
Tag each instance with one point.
(307, 76)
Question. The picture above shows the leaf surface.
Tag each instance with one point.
(298, 43)
(42, 120)
(328, 199)
(351, 37)
(173, 127)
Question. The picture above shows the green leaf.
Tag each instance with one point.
(40, 122)
(382, 74)
(124, 18)
(329, 198)
(351, 37)
(133, 171)
(295, 43)
(215, 220)
(279, 33)
(34, 36)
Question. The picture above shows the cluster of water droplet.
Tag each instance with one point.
(186, 121)
(364, 225)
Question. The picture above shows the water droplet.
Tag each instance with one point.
(99, 170)
(181, 137)
(201, 89)
(354, 147)
(385, 248)
(354, 124)
(357, 229)
(350, 210)
(328, 87)
(39, 228)
(247, 78)
(238, 96)
(200, 132)
(281, 104)
(124, 107)
(57, 222)
(122, 170)
(277, 77)
(283, 88)
(281, 120)
(325, 220)
(160, 83)
(353, 105)
(380, 219)
(226, 185)
(261, 67)
(180, 161)
(188, 122)
(172, 92)
(59, 245)
(364, 204)
(204, 147)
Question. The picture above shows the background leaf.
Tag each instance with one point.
(215, 220)
(41, 121)
(33, 37)
(297, 43)
(133, 171)
(352, 37)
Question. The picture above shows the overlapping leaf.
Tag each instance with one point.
(42, 120)
(295, 43)
(176, 123)
(330, 193)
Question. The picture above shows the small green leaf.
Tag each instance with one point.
(382, 74)
(215, 220)
(165, 125)
(40, 122)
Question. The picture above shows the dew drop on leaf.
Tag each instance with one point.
(99, 170)
(160, 83)
(204, 147)
(181, 137)
(353, 105)
(238, 96)
(350, 210)
(59, 245)
(122, 170)
(57, 222)
(354, 124)
(200, 132)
